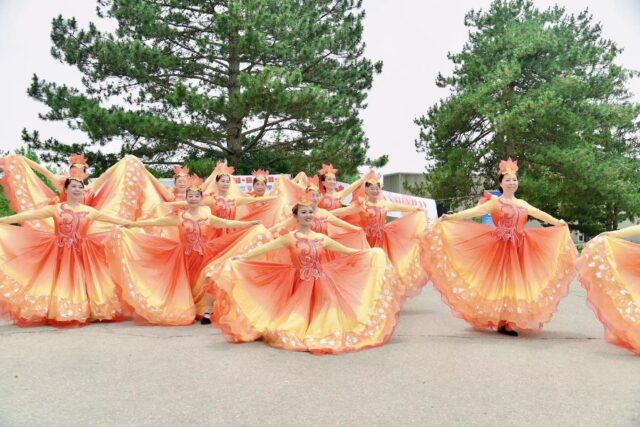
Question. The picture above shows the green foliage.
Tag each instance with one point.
(262, 83)
(4, 205)
(542, 87)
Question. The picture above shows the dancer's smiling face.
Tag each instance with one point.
(304, 215)
(181, 183)
(194, 197)
(259, 187)
(372, 190)
(329, 182)
(509, 184)
(223, 182)
(74, 190)
(315, 197)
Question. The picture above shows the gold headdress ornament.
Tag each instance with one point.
(195, 183)
(305, 199)
(77, 174)
(223, 169)
(311, 184)
(78, 160)
(178, 171)
(373, 178)
(508, 167)
(260, 175)
(328, 170)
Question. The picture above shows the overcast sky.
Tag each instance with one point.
(411, 37)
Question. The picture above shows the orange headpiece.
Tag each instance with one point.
(178, 171)
(373, 178)
(77, 174)
(78, 160)
(305, 199)
(260, 175)
(328, 170)
(195, 183)
(312, 184)
(508, 167)
(223, 169)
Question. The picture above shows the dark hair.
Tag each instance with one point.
(221, 175)
(67, 182)
(369, 184)
(197, 191)
(175, 178)
(322, 177)
(296, 207)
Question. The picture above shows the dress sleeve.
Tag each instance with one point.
(279, 243)
(479, 210)
(283, 224)
(542, 216)
(42, 170)
(157, 222)
(632, 231)
(96, 215)
(334, 246)
(350, 189)
(332, 219)
(42, 213)
(399, 207)
(228, 223)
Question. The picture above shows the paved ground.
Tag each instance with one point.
(435, 372)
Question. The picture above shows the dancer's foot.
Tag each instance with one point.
(206, 319)
(510, 332)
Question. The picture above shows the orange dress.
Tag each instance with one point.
(158, 276)
(609, 270)
(125, 190)
(304, 303)
(403, 240)
(490, 275)
(58, 277)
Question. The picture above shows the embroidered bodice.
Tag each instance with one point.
(329, 202)
(224, 208)
(509, 220)
(307, 253)
(70, 226)
(193, 234)
(374, 218)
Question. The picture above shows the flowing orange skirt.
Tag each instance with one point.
(160, 280)
(610, 272)
(489, 282)
(41, 282)
(351, 306)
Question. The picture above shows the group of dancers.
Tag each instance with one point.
(291, 266)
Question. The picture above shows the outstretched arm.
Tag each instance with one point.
(42, 213)
(96, 215)
(280, 242)
(473, 212)
(543, 216)
(399, 207)
(352, 209)
(247, 200)
(287, 223)
(334, 246)
(156, 222)
(229, 223)
(350, 189)
(632, 231)
(334, 220)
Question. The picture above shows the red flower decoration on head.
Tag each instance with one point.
(195, 183)
(78, 160)
(180, 171)
(223, 169)
(328, 170)
(260, 175)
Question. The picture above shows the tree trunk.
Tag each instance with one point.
(233, 121)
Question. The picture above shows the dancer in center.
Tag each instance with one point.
(505, 277)
(331, 198)
(288, 295)
(158, 276)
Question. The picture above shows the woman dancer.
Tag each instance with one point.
(157, 276)
(505, 277)
(403, 240)
(297, 300)
(332, 199)
(59, 277)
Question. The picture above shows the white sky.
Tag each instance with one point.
(411, 37)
